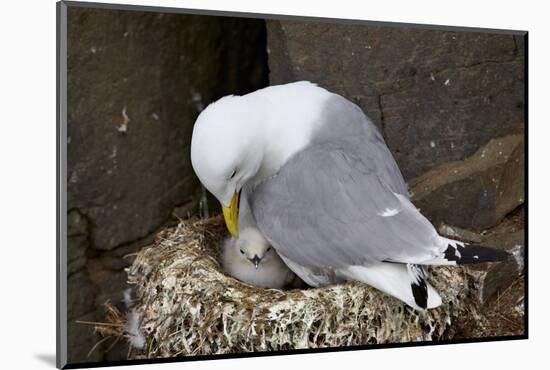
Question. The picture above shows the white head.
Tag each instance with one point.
(253, 246)
(225, 150)
(242, 139)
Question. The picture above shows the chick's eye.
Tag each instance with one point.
(233, 174)
(242, 252)
(268, 249)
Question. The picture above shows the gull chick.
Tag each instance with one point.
(251, 259)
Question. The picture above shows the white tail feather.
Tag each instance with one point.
(392, 279)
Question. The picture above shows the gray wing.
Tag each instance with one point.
(343, 120)
(333, 205)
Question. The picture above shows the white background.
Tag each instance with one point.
(27, 182)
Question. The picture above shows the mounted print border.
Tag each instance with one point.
(141, 269)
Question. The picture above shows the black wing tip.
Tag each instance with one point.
(473, 253)
(420, 293)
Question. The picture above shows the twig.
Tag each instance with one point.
(96, 345)
(96, 323)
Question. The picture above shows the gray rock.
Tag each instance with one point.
(77, 225)
(82, 340)
(186, 210)
(81, 294)
(437, 96)
(76, 254)
(500, 276)
(77, 241)
(113, 283)
(136, 82)
(472, 193)
(458, 233)
(120, 257)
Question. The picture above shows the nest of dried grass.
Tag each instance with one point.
(187, 305)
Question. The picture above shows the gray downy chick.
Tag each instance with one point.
(251, 259)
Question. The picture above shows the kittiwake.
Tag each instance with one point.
(324, 189)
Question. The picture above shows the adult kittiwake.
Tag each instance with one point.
(324, 189)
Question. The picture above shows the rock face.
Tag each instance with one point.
(436, 96)
(475, 193)
(136, 82)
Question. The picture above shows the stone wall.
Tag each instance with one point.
(136, 82)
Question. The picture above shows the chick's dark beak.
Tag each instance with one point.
(256, 260)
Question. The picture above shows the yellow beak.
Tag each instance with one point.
(231, 215)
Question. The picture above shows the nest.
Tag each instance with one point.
(186, 304)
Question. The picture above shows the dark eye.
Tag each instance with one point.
(233, 174)
(242, 252)
(268, 249)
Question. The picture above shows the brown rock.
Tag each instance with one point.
(512, 182)
(470, 193)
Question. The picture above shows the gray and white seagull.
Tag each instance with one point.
(324, 189)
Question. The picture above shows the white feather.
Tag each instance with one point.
(127, 298)
(388, 212)
(392, 279)
(132, 330)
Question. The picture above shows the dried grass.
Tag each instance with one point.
(189, 306)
